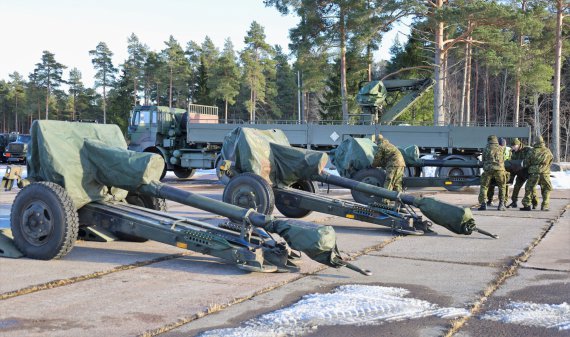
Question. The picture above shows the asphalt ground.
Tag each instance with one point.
(128, 289)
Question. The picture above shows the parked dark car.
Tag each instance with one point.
(16, 151)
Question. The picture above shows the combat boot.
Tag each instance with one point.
(501, 206)
(513, 205)
(534, 206)
(489, 203)
(525, 208)
(544, 208)
(483, 207)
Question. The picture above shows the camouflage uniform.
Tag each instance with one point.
(521, 153)
(538, 164)
(494, 167)
(491, 191)
(390, 158)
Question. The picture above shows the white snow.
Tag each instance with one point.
(554, 316)
(560, 180)
(347, 305)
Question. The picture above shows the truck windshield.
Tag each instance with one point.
(141, 117)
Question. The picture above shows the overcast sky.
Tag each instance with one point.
(69, 28)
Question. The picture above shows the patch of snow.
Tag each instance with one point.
(347, 305)
(560, 180)
(552, 316)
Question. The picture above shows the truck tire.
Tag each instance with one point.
(295, 212)
(44, 221)
(145, 201)
(248, 190)
(444, 172)
(371, 176)
(184, 173)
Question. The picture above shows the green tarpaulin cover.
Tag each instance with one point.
(71, 155)
(355, 154)
(268, 154)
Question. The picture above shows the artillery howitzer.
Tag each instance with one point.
(79, 174)
(254, 158)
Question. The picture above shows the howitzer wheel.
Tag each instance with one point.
(292, 211)
(145, 201)
(44, 221)
(248, 190)
(371, 176)
(184, 173)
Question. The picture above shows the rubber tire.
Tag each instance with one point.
(145, 201)
(443, 172)
(296, 213)
(59, 208)
(372, 176)
(265, 199)
(184, 173)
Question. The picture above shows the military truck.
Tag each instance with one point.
(16, 151)
(5, 139)
(190, 140)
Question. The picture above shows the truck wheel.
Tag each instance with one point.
(371, 176)
(44, 221)
(444, 172)
(184, 173)
(295, 212)
(248, 190)
(145, 201)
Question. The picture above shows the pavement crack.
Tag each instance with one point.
(544, 269)
(507, 272)
(72, 280)
(475, 264)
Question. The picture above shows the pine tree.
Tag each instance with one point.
(224, 82)
(48, 74)
(16, 95)
(105, 75)
(178, 70)
(134, 64)
(76, 87)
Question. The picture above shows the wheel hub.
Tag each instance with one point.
(37, 223)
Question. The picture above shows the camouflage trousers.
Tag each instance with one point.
(486, 178)
(493, 183)
(394, 176)
(519, 182)
(542, 179)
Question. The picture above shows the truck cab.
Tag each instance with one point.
(16, 151)
(162, 130)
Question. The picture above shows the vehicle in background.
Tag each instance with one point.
(5, 139)
(16, 151)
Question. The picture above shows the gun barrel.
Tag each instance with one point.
(164, 191)
(365, 188)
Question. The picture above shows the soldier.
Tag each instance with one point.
(521, 152)
(494, 167)
(538, 164)
(491, 190)
(389, 157)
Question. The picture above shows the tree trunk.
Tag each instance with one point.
(170, 90)
(343, 90)
(517, 98)
(47, 96)
(226, 111)
(536, 109)
(104, 105)
(462, 112)
(16, 111)
(135, 91)
(438, 113)
(557, 71)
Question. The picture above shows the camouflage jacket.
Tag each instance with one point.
(493, 158)
(521, 154)
(539, 160)
(388, 155)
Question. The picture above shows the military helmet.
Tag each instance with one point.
(502, 141)
(515, 141)
(539, 141)
(492, 139)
